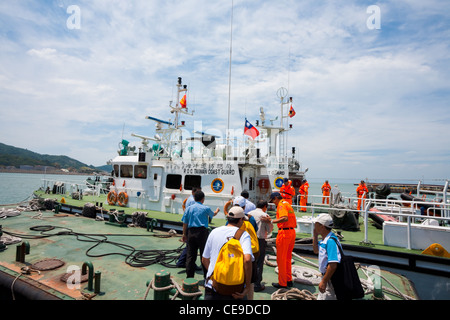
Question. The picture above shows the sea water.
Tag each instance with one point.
(17, 187)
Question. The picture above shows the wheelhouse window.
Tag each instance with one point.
(126, 171)
(116, 170)
(173, 181)
(140, 172)
(191, 181)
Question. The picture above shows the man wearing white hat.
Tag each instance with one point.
(328, 252)
(216, 239)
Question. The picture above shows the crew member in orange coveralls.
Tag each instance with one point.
(303, 190)
(326, 188)
(361, 193)
(287, 191)
(287, 223)
(306, 187)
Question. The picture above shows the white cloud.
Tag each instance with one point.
(368, 102)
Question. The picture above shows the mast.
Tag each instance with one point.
(179, 109)
(229, 73)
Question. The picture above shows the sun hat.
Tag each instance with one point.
(236, 212)
(324, 219)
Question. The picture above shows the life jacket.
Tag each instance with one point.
(302, 189)
(247, 226)
(306, 187)
(287, 191)
(228, 276)
(326, 187)
(361, 189)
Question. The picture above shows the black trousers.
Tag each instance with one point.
(196, 240)
(260, 261)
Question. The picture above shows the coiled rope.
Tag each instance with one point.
(134, 258)
(293, 294)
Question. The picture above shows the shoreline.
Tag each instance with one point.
(58, 172)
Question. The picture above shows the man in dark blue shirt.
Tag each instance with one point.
(195, 230)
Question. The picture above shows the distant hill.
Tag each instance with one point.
(17, 157)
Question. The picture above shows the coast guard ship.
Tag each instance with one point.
(160, 174)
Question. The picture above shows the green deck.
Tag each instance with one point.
(375, 235)
(119, 281)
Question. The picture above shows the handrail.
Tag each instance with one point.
(410, 217)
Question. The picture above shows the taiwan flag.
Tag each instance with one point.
(250, 130)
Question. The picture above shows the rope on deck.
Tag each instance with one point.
(174, 285)
(293, 294)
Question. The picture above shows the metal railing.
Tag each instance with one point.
(408, 211)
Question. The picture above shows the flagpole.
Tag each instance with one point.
(229, 74)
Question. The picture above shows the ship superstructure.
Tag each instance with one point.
(160, 174)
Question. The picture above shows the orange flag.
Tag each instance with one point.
(183, 102)
(291, 112)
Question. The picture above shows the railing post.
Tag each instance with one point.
(444, 200)
(408, 232)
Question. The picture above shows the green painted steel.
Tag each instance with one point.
(162, 280)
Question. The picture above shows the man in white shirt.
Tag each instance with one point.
(265, 228)
(249, 206)
(216, 239)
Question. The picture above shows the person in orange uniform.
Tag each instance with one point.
(303, 196)
(287, 191)
(326, 188)
(286, 222)
(306, 187)
(361, 193)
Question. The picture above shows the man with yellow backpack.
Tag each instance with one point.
(248, 227)
(228, 257)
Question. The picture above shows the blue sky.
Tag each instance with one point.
(370, 103)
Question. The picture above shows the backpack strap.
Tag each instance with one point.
(338, 245)
(238, 234)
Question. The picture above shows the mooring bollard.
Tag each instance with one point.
(190, 285)
(22, 250)
(85, 266)
(162, 280)
(151, 224)
(97, 278)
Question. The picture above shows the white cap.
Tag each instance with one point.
(240, 200)
(324, 219)
(236, 212)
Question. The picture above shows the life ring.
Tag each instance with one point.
(112, 197)
(122, 199)
(227, 206)
(184, 204)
